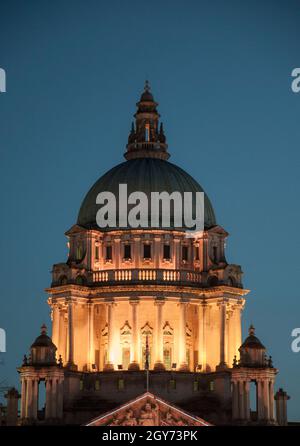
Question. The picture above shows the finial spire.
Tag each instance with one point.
(251, 330)
(147, 85)
(43, 329)
(146, 138)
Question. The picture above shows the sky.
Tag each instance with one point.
(221, 72)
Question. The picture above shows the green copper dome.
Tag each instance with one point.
(145, 175)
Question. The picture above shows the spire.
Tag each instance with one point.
(251, 330)
(146, 138)
(43, 329)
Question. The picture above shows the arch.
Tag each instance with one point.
(231, 281)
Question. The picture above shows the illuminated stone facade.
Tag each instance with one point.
(122, 289)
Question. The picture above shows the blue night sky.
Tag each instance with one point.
(221, 71)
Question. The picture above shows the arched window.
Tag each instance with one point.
(231, 281)
(79, 251)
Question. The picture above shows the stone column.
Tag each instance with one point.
(109, 366)
(28, 410)
(134, 364)
(60, 396)
(202, 336)
(70, 335)
(235, 400)
(222, 364)
(271, 399)
(91, 349)
(241, 400)
(266, 400)
(48, 412)
(157, 251)
(23, 397)
(183, 366)
(247, 400)
(35, 398)
(117, 259)
(62, 344)
(54, 398)
(177, 253)
(260, 401)
(159, 360)
(55, 325)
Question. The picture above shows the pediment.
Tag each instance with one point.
(147, 410)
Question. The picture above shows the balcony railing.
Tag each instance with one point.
(147, 275)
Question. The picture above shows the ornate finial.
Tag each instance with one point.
(43, 329)
(25, 362)
(60, 361)
(235, 363)
(147, 86)
(270, 362)
(251, 330)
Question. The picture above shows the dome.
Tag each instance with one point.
(252, 341)
(43, 340)
(146, 175)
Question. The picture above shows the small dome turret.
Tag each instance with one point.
(253, 352)
(43, 351)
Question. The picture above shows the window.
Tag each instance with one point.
(81, 384)
(97, 384)
(197, 253)
(96, 252)
(172, 384)
(147, 251)
(120, 384)
(147, 133)
(185, 253)
(196, 386)
(167, 252)
(79, 252)
(127, 251)
(108, 252)
(215, 254)
(211, 386)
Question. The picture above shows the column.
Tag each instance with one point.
(62, 344)
(60, 396)
(177, 253)
(48, 412)
(241, 400)
(247, 400)
(260, 402)
(235, 400)
(222, 364)
(23, 398)
(55, 325)
(238, 329)
(271, 400)
(183, 366)
(117, 253)
(134, 364)
(266, 400)
(70, 335)
(91, 349)
(109, 366)
(157, 252)
(28, 409)
(202, 337)
(159, 360)
(35, 398)
(54, 398)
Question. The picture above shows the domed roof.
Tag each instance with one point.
(252, 341)
(145, 175)
(43, 340)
